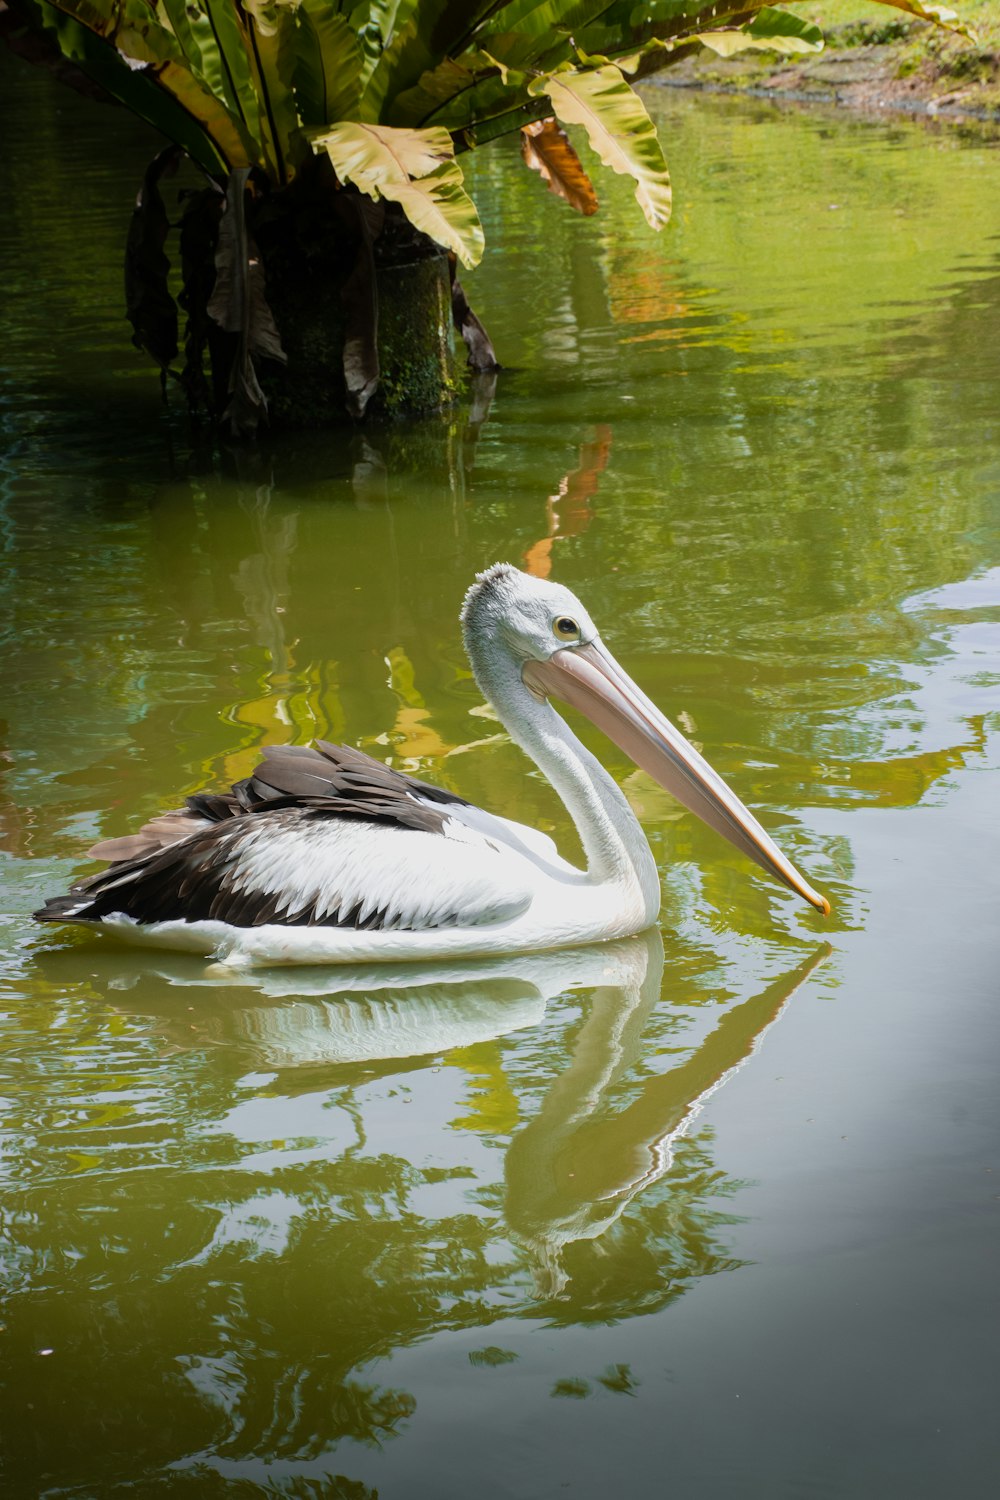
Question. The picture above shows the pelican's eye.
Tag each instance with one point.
(565, 629)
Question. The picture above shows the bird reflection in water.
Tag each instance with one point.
(241, 1143)
(572, 1171)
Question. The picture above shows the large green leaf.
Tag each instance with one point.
(414, 168)
(379, 25)
(770, 30)
(618, 128)
(439, 206)
(207, 136)
(328, 61)
(457, 92)
(217, 30)
(435, 34)
(196, 37)
(270, 43)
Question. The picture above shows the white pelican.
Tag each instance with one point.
(326, 856)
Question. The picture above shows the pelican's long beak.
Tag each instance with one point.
(588, 678)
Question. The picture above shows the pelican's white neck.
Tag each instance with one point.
(613, 841)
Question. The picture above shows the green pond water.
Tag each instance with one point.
(708, 1213)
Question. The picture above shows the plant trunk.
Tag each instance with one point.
(352, 286)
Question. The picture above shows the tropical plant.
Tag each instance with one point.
(369, 106)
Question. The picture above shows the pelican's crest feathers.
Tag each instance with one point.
(486, 583)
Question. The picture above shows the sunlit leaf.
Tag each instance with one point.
(201, 125)
(439, 206)
(417, 170)
(382, 154)
(548, 151)
(618, 128)
(770, 30)
(939, 15)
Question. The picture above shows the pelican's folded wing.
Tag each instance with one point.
(300, 865)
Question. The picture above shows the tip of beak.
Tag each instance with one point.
(824, 906)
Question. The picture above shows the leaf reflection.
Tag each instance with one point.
(569, 511)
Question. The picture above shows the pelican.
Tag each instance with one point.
(325, 855)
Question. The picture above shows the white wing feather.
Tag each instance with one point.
(416, 879)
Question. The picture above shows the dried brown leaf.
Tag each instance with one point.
(239, 305)
(149, 306)
(359, 297)
(546, 149)
(482, 356)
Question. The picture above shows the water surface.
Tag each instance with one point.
(711, 1212)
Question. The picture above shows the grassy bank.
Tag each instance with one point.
(875, 58)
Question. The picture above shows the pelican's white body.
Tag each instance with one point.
(555, 905)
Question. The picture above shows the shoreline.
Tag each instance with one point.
(879, 68)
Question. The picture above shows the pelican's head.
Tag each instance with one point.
(530, 617)
(546, 631)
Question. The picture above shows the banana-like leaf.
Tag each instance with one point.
(243, 56)
(439, 206)
(328, 59)
(459, 91)
(548, 151)
(414, 168)
(938, 15)
(210, 39)
(379, 154)
(271, 52)
(139, 38)
(770, 31)
(618, 128)
(382, 26)
(620, 28)
(433, 33)
(239, 305)
(207, 136)
(149, 306)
